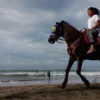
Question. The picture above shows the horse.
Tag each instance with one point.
(77, 47)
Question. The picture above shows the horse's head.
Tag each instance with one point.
(65, 30)
(56, 33)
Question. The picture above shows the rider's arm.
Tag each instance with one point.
(97, 25)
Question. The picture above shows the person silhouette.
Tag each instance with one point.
(49, 75)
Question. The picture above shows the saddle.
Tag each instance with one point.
(96, 39)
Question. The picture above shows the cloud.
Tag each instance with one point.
(25, 26)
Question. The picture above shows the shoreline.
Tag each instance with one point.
(50, 92)
(44, 82)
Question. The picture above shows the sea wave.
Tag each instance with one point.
(44, 73)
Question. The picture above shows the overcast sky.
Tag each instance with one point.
(25, 26)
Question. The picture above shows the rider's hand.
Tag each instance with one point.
(84, 31)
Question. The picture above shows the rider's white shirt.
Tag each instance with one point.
(92, 22)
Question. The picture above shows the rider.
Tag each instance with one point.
(93, 27)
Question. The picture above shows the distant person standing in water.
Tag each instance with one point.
(49, 75)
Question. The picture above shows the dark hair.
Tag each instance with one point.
(95, 10)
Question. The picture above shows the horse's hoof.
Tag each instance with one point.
(62, 86)
(88, 84)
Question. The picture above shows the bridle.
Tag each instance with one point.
(59, 40)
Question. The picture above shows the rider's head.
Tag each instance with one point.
(92, 11)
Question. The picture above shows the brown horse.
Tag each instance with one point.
(76, 46)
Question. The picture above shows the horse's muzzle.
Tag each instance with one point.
(52, 39)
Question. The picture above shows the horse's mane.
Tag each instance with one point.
(72, 32)
(72, 27)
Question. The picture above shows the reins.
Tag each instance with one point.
(62, 39)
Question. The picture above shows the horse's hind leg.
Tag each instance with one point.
(79, 66)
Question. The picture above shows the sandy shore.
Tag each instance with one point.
(50, 92)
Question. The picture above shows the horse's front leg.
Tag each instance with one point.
(70, 63)
(79, 66)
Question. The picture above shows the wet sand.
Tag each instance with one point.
(51, 92)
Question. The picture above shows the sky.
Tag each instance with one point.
(25, 27)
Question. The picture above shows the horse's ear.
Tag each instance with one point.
(57, 23)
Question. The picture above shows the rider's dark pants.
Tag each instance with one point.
(92, 35)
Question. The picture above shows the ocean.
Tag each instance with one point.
(37, 77)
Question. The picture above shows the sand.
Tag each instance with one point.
(51, 92)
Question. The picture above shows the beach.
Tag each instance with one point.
(34, 85)
(51, 92)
